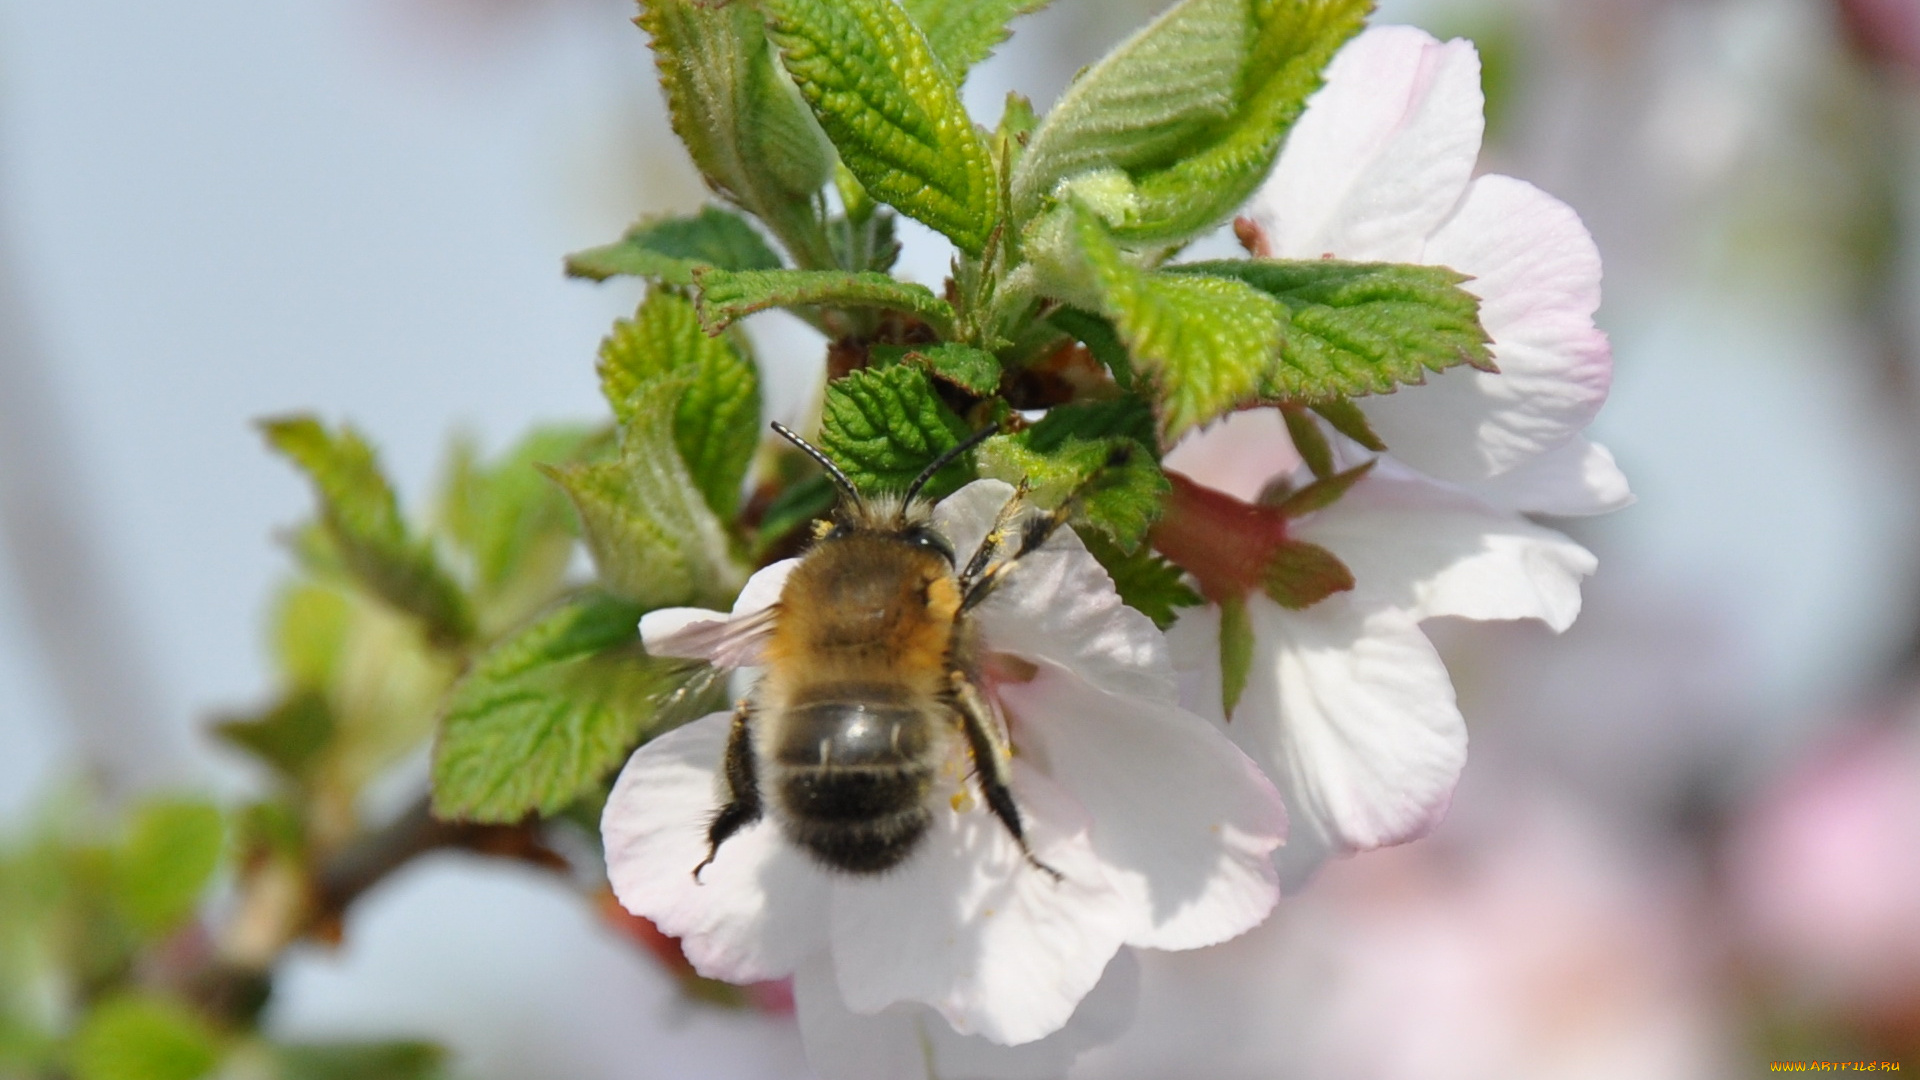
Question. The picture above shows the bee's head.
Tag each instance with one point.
(904, 515)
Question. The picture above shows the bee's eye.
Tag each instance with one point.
(921, 536)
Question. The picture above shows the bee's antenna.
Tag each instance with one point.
(946, 459)
(825, 462)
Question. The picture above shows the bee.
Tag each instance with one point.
(871, 682)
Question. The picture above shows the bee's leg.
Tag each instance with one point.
(989, 754)
(996, 536)
(743, 789)
(980, 579)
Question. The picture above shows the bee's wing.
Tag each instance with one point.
(686, 690)
(728, 641)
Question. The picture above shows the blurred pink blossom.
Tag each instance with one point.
(1541, 951)
(1825, 872)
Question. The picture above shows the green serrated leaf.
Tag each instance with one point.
(892, 111)
(668, 249)
(749, 133)
(1145, 581)
(717, 424)
(1126, 417)
(1120, 487)
(362, 517)
(1100, 338)
(1187, 116)
(1323, 492)
(143, 1038)
(1302, 574)
(1310, 441)
(976, 371)
(726, 297)
(652, 535)
(1144, 104)
(1289, 42)
(288, 737)
(962, 32)
(169, 855)
(546, 714)
(1207, 342)
(1236, 652)
(883, 425)
(360, 1061)
(1346, 418)
(310, 625)
(1360, 328)
(513, 529)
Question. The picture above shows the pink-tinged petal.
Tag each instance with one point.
(1239, 454)
(1352, 715)
(757, 910)
(1575, 479)
(1382, 153)
(1000, 949)
(1185, 823)
(1426, 549)
(1059, 604)
(729, 641)
(912, 1042)
(1537, 272)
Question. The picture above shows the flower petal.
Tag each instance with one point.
(1382, 153)
(912, 1042)
(1575, 479)
(1184, 822)
(997, 947)
(757, 910)
(1059, 604)
(1427, 549)
(1239, 455)
(729, 641)
(1537, 272)
(1351, 713)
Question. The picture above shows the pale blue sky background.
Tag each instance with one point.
(216, 210)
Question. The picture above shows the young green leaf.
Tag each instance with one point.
(547, 713)
(1346, 418)
(748, 131)
(1100, 338)
(892, 111)
(1126, 417)
(168, 856)
(360, 1061)
(1302, 574)
(1359, 328)
(143, 1038)
(1145, 581)
(652, 535)
(667, 249)
(1119, 486)
(288, 737)
(883, 425)
(1187, 115)
(1206, 342)
(1324, 492)
(726, 297)
(1307, 438)
(362, 517)
(962, 32)
(514, 528)
(1288, 43)
(976, 371)
(1144, 104)
(1236, 651)
(717, 424)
